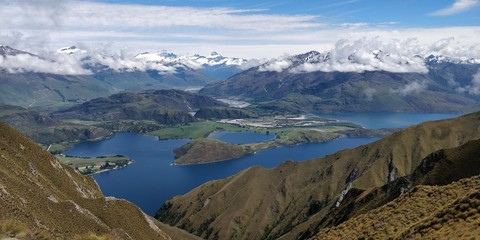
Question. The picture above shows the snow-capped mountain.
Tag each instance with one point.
(214, 59)
(71, 50)
(358, 61)
(437, 59)
(8, 51)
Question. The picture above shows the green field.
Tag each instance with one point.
(82, 122)
(84, 161)
(197, 130)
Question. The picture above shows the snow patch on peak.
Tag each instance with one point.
(196, 61)
(71, 50)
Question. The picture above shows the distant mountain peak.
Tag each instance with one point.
(6, 50)
(214, 59)
(71, 50)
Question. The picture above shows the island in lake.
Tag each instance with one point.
(288, 131)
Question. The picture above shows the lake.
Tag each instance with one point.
(151, 179)
(388, 120)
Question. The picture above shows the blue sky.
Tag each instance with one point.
(247, 28)
(407, 13)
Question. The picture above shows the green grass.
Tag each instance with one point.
(195, 130)
(81, 161)
(82, 122)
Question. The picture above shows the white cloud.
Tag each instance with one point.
(412, 87)
(29, 63)
(474, 87)
(369, 93)
(96, 15)
(248, 33)
(369, 55)
(276, 65)
(457, 7)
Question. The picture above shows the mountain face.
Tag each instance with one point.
(53, 201)
(314, 82)
(8, 51)
(162, 106)
(288, 200)
(74, 75)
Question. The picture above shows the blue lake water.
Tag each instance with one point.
(388, 120)
(151, 179)
(241, 137)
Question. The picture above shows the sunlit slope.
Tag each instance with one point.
(268, 203)
(48, 198)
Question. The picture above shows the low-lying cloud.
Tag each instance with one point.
(414, 87)
(372, 54)
(474, 87)
(276, 65)
(30, 63)
(369, 55)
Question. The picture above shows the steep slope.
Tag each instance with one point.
(37, 191)
(268, 203)
(426, 212)
(439, 168)
(440, 89)
(163, 106)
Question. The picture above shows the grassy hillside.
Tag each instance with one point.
(40, 195)
(207, 150)
(162, 106)
(426, 212)
(268, 203)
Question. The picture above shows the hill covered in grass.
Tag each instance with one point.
(291, 200)
(162, 106)
(46, 200)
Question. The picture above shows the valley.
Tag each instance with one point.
(361, 138)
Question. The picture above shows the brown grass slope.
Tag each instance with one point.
(286, 200)
(426, 212)
(206, 151)
(36, 190)
(439, 168)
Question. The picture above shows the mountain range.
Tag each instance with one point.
(373, 82)
(74, 75)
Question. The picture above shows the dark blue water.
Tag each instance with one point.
(241, 137)
(388, 120)
(151, 179)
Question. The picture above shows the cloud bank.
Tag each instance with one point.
(474, 87)
(247, 33)
(374, 54)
